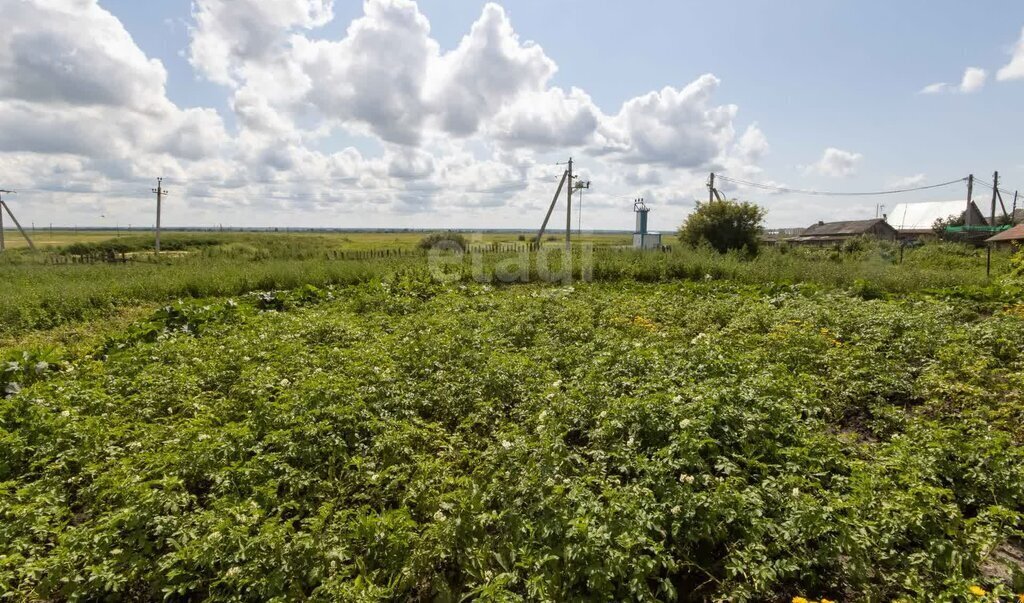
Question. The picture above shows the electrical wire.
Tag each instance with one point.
(989, 186)
(836, 194)
(509, 188)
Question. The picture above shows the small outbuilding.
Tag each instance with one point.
(1013, 236)
(641, 238)
(831, 233)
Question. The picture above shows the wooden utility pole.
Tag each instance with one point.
(711, 188)
(580, 186)
(995, 193)
(970, 199)
(551, 208)
(568, 212)
(160, 192)
(3, 207)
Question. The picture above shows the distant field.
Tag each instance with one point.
(345, 241)
(58, 238)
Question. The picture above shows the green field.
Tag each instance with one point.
(686, 426)
(46, 239)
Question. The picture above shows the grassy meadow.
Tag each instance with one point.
(351, 241)
(258, 416)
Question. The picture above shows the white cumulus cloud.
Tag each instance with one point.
(229, 33)
(84, 109)
(1014, 70)
(673, 127)
(974, 79)
(908, 181)
(836, 163)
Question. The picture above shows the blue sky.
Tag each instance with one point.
(808, 76)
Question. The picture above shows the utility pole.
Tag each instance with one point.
(579, 217)
(568, 213)
(995, 192)
(551, 208)
(711, 188)
(970, 199)
(570, 189)
(3, 206)
(581, 186)
(160, 192)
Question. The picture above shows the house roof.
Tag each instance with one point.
(849, 227)
(1014, 234)
(921, 216)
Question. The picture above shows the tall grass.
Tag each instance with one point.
(37, 295)
(929, 267)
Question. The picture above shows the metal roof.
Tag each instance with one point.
(1014, 234)
(849, 227)
(921, 216)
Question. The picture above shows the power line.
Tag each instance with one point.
(795, 191)
(989, 185)
(507, 188)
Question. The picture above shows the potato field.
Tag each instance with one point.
(398, 438)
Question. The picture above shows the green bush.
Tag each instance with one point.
(451, 241)
(724, 225)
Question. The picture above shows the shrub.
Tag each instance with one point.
(724, 225)
(1017, 264)
(444, 240)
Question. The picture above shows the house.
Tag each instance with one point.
(830, 233)
(915, 220)
(1013, 236)
(774, 236)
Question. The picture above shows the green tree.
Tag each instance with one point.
(724, 225)
(940, 224)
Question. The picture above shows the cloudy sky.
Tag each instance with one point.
(393, 113)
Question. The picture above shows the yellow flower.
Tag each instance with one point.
(800, 600)
(824, 600)
(1020, 598)
(645, 323)
(978, 591)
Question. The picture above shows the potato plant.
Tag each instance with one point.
(406, 440)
